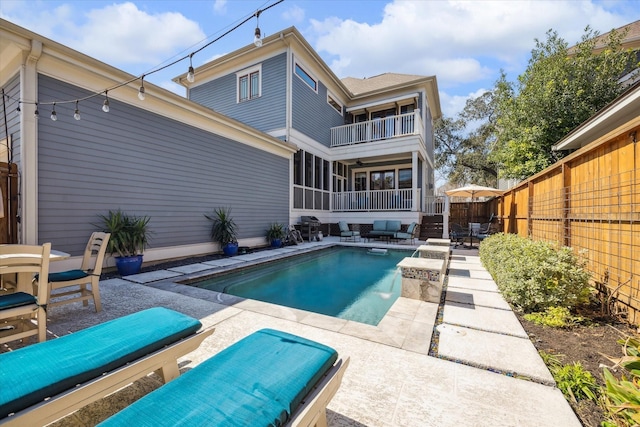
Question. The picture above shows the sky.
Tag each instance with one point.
(464, 44)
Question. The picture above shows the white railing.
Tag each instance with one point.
(374, 200)
(434, 205)
(377, 129)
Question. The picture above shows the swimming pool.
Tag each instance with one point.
(348, 283)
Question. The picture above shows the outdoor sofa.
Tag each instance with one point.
(390, 229)
(43, 382)
(268, 378)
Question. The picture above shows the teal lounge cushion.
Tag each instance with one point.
(33, 373)
(411, 227)
(64, 276)
(258, 381)
(16, 299)
(379, 225)
(344, 227)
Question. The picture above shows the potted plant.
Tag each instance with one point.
(129, 238)
(224, 230)
(275, 234)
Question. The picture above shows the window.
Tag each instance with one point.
(405, 178)
(297, 167)
(335, 104)
(384, 180)
(306, 78)
(249, 83)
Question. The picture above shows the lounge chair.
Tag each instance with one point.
(346, 233)
(44, 382)
(267, 378)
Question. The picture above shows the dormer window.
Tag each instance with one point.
(249, 83)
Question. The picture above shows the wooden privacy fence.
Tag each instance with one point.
(589, 201)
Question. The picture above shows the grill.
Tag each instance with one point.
(309, 227)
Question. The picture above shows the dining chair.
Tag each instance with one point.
(22, 314)
(75, 282)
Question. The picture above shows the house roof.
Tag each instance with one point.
(354, 89)
(630, 41)
(381, 81)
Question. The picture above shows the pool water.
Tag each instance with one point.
(348, 283)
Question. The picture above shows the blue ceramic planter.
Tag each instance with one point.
(129, 265)
(230, 249)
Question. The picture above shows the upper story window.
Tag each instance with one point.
(335, 104)
(249, 83)
(306, 77)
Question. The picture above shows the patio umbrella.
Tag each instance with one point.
(474, 191)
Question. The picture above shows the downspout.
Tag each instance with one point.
(29, 145)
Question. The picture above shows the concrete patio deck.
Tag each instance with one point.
(464, 362)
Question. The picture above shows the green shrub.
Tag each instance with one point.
(573, 380)
(535, 275)
(622, 396)
(555, 317)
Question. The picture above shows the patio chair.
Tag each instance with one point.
(346, 234)
(410, 234)
(22, 314)
(269, 377)
(76, 281)
(485, 231)
(458, 233)
(294, 237)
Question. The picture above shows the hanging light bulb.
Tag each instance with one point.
(76, 114)
(105, 104)
(191, 75)
(36, 114)
(256, 39)
(54, 116)
(141, 90)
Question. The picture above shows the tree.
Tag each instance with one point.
(463, 145)
(559, 90)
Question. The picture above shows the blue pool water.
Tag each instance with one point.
(349, 283)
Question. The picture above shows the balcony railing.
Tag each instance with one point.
(434, 205)
(378, 129)
(374, 200)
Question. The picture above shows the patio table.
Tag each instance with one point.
(23, 281)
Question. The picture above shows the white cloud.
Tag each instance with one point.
(220, 7)
(119, 34)
(294, 14)
(449, 39)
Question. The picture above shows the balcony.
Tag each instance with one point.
(374, 200)
(378, 129)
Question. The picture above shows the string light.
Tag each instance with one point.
(190, 75)
(76, 114)
(36, 114)
(105, 104)
(256, 38)
(141, 90)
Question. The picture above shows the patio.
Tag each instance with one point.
(476, 342)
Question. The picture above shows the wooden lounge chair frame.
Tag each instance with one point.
(164, 362)
(313, 411)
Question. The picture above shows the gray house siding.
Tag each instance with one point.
(311, 113)
(12, 134)
(266, 113)
(147, 164)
